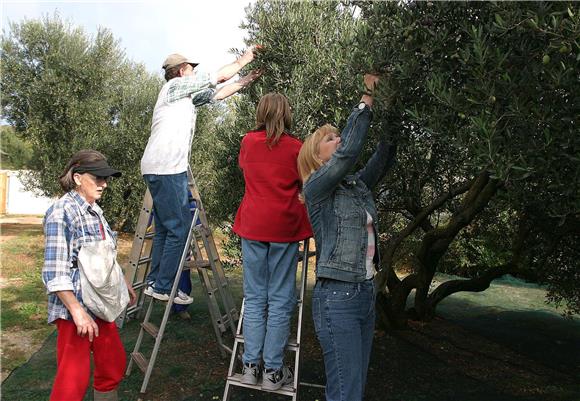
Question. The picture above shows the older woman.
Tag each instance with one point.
(71, 223)
(344, 220)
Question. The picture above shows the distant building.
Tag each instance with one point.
(14, 199)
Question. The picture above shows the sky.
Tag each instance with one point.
(149, 30)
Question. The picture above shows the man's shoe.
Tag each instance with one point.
(276, 378)
(182, 298)
(149, 290)
(160, 297)
(250, 374)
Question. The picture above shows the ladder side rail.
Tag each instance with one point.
(214, 311)
(302, 292)
(135, 255)
(222, 280)
(225, 296)
(139, 338)
(140, 232)
(167, 308)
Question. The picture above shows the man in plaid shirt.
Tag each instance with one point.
(166, 158)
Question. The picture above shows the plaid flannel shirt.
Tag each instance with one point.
(68, 224)
(199, 86)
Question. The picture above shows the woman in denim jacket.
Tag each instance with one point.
(344, 220)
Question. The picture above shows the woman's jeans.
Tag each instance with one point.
(172, 224)
(344, 319)
(269, 299)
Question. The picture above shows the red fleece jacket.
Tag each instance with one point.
(270, 210)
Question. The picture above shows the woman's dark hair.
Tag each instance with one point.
(80, 158)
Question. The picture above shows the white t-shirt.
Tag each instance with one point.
(173, 123)
(371, 248)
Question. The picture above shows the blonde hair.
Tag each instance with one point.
(273, 113)
(308, 160)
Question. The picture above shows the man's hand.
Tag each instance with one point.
(248, 55)
(251, 77)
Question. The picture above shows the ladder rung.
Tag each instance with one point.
(151, 329)
(140, 360)
(291, 346)
(144, 260)
(235, 380)
(140, 284)
(193, 264)
(301, 255)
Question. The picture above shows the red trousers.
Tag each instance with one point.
(73, 361)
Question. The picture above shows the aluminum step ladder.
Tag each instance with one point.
(200, 254)
(234, 375)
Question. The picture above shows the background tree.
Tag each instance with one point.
(483, 100)
(15, 153)
(64, 91)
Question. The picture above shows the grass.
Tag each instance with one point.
(21, 259)
(435, 362)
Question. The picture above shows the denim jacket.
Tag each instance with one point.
(337, 202)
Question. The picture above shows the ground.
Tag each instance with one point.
(478, 348)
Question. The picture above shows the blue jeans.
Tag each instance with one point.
(270, 298)
(344, 319)
(172, 224)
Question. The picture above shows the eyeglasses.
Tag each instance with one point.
(99, 178)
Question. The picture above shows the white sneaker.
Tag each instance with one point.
(182, 298)
(149, 290)
(161, 297)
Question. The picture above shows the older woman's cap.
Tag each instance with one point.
(99, 168)
(176, 59)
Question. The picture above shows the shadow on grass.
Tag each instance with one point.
(442, 360)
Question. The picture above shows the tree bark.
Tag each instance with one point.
(436, 242)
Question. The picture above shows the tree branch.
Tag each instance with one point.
(477, 284)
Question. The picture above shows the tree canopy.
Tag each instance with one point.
(483, 99)
(63, 90)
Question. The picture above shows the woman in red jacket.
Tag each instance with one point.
(271, 221)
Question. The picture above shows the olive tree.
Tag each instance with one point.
(482, 99)
(63, 91)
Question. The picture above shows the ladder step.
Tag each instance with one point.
(194, 264)
(150, 328)
(291, 346)
(140, 360)
(236, 380)
(143, 261)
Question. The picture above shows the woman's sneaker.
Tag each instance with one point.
(276, 378)
(250, 374)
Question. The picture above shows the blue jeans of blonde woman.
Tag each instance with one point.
(270, 298)
(344, 320)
